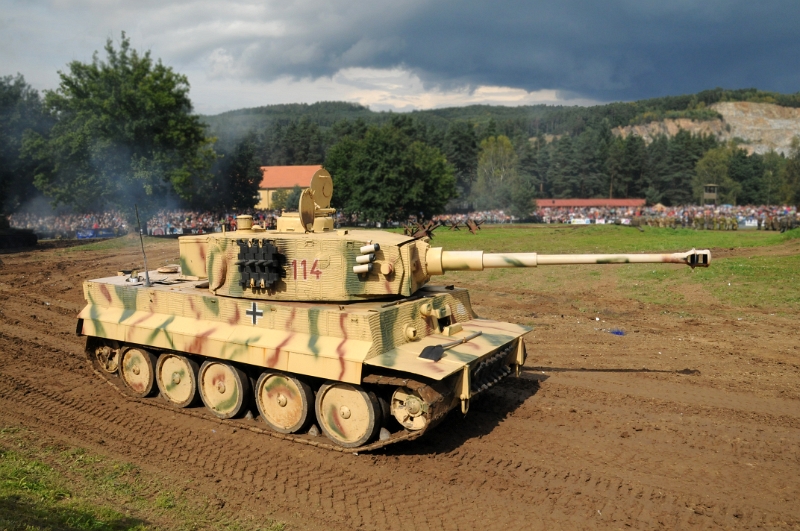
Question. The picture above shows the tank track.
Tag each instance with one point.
(439, 406)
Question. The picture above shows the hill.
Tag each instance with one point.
(759, 127)
(532, 120)
(643, 149)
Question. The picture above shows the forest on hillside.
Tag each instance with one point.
(529, 120)
(120, 131)
(503, 157)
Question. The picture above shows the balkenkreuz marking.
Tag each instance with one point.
(255, 313)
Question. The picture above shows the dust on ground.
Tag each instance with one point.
(686, 421)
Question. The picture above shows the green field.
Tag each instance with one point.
(555, 239)
(755, 277)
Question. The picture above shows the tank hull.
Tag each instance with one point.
(374, 346)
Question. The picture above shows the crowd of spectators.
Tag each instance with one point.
(177, 222)
(67, 226)
(171, 222)
(485, 216)
(691, 216)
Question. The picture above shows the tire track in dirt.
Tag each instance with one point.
(516, 481)
(682, 453)
(544, 453)
(553, 497)
(572, 481)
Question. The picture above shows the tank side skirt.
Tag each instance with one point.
(262, 348)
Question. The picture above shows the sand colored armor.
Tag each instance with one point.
(313, 328)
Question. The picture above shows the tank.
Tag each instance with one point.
(336, 338)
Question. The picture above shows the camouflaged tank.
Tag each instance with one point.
(312, 326)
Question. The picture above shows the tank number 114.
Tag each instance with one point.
(302, 265)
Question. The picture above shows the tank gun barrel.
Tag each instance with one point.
(439, 261)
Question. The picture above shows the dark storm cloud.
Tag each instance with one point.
(606, 50)
(595, 50)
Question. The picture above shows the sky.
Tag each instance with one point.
(403, 55)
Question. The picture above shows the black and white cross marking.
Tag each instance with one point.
(255, 313)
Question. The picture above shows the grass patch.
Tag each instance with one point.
(131, 241)
(558, 239)
(34, 495)
(53, 488)
(764, 282)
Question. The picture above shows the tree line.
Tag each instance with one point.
(494, 166)
(121, 130)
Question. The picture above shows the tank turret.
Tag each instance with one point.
(313, 328)
(306, 259)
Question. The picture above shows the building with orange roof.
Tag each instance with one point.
(274, 178)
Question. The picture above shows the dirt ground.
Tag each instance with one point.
(682, 423)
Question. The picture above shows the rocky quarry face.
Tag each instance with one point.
(762, 126)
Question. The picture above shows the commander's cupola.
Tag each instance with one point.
(314, 213)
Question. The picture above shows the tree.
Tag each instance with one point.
(20, 112)
(388, 174)
(588, 181)
(523, 195)
(124, 133)
(503, 181)
(616, 154)
(634, 165)
(563, 167)
(773, 177)
(683, 153)
(237, 176)
(541, 168)
(656, 170)
(748, 172)
(497, 170)
(791, 175)
(461, 149)
(293, 198)
(714, 168)
(280, 199)
(296, 143)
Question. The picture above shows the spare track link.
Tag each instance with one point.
(427, 392)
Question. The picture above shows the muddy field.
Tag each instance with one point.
(689, 420)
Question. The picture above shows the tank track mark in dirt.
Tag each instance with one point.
(436, 395)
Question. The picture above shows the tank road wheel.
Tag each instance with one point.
(223, 388)
(409, 409)
(137, 370)
(347, 414)
(177, 379)
(283, 401)
(108, 358)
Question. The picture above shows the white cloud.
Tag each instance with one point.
(405, 54)
(380, 89)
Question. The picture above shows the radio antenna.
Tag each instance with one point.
(141, 240)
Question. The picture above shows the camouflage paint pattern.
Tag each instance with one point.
(283, 318)
(326, 341)
(440, 261)
(317, 266)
